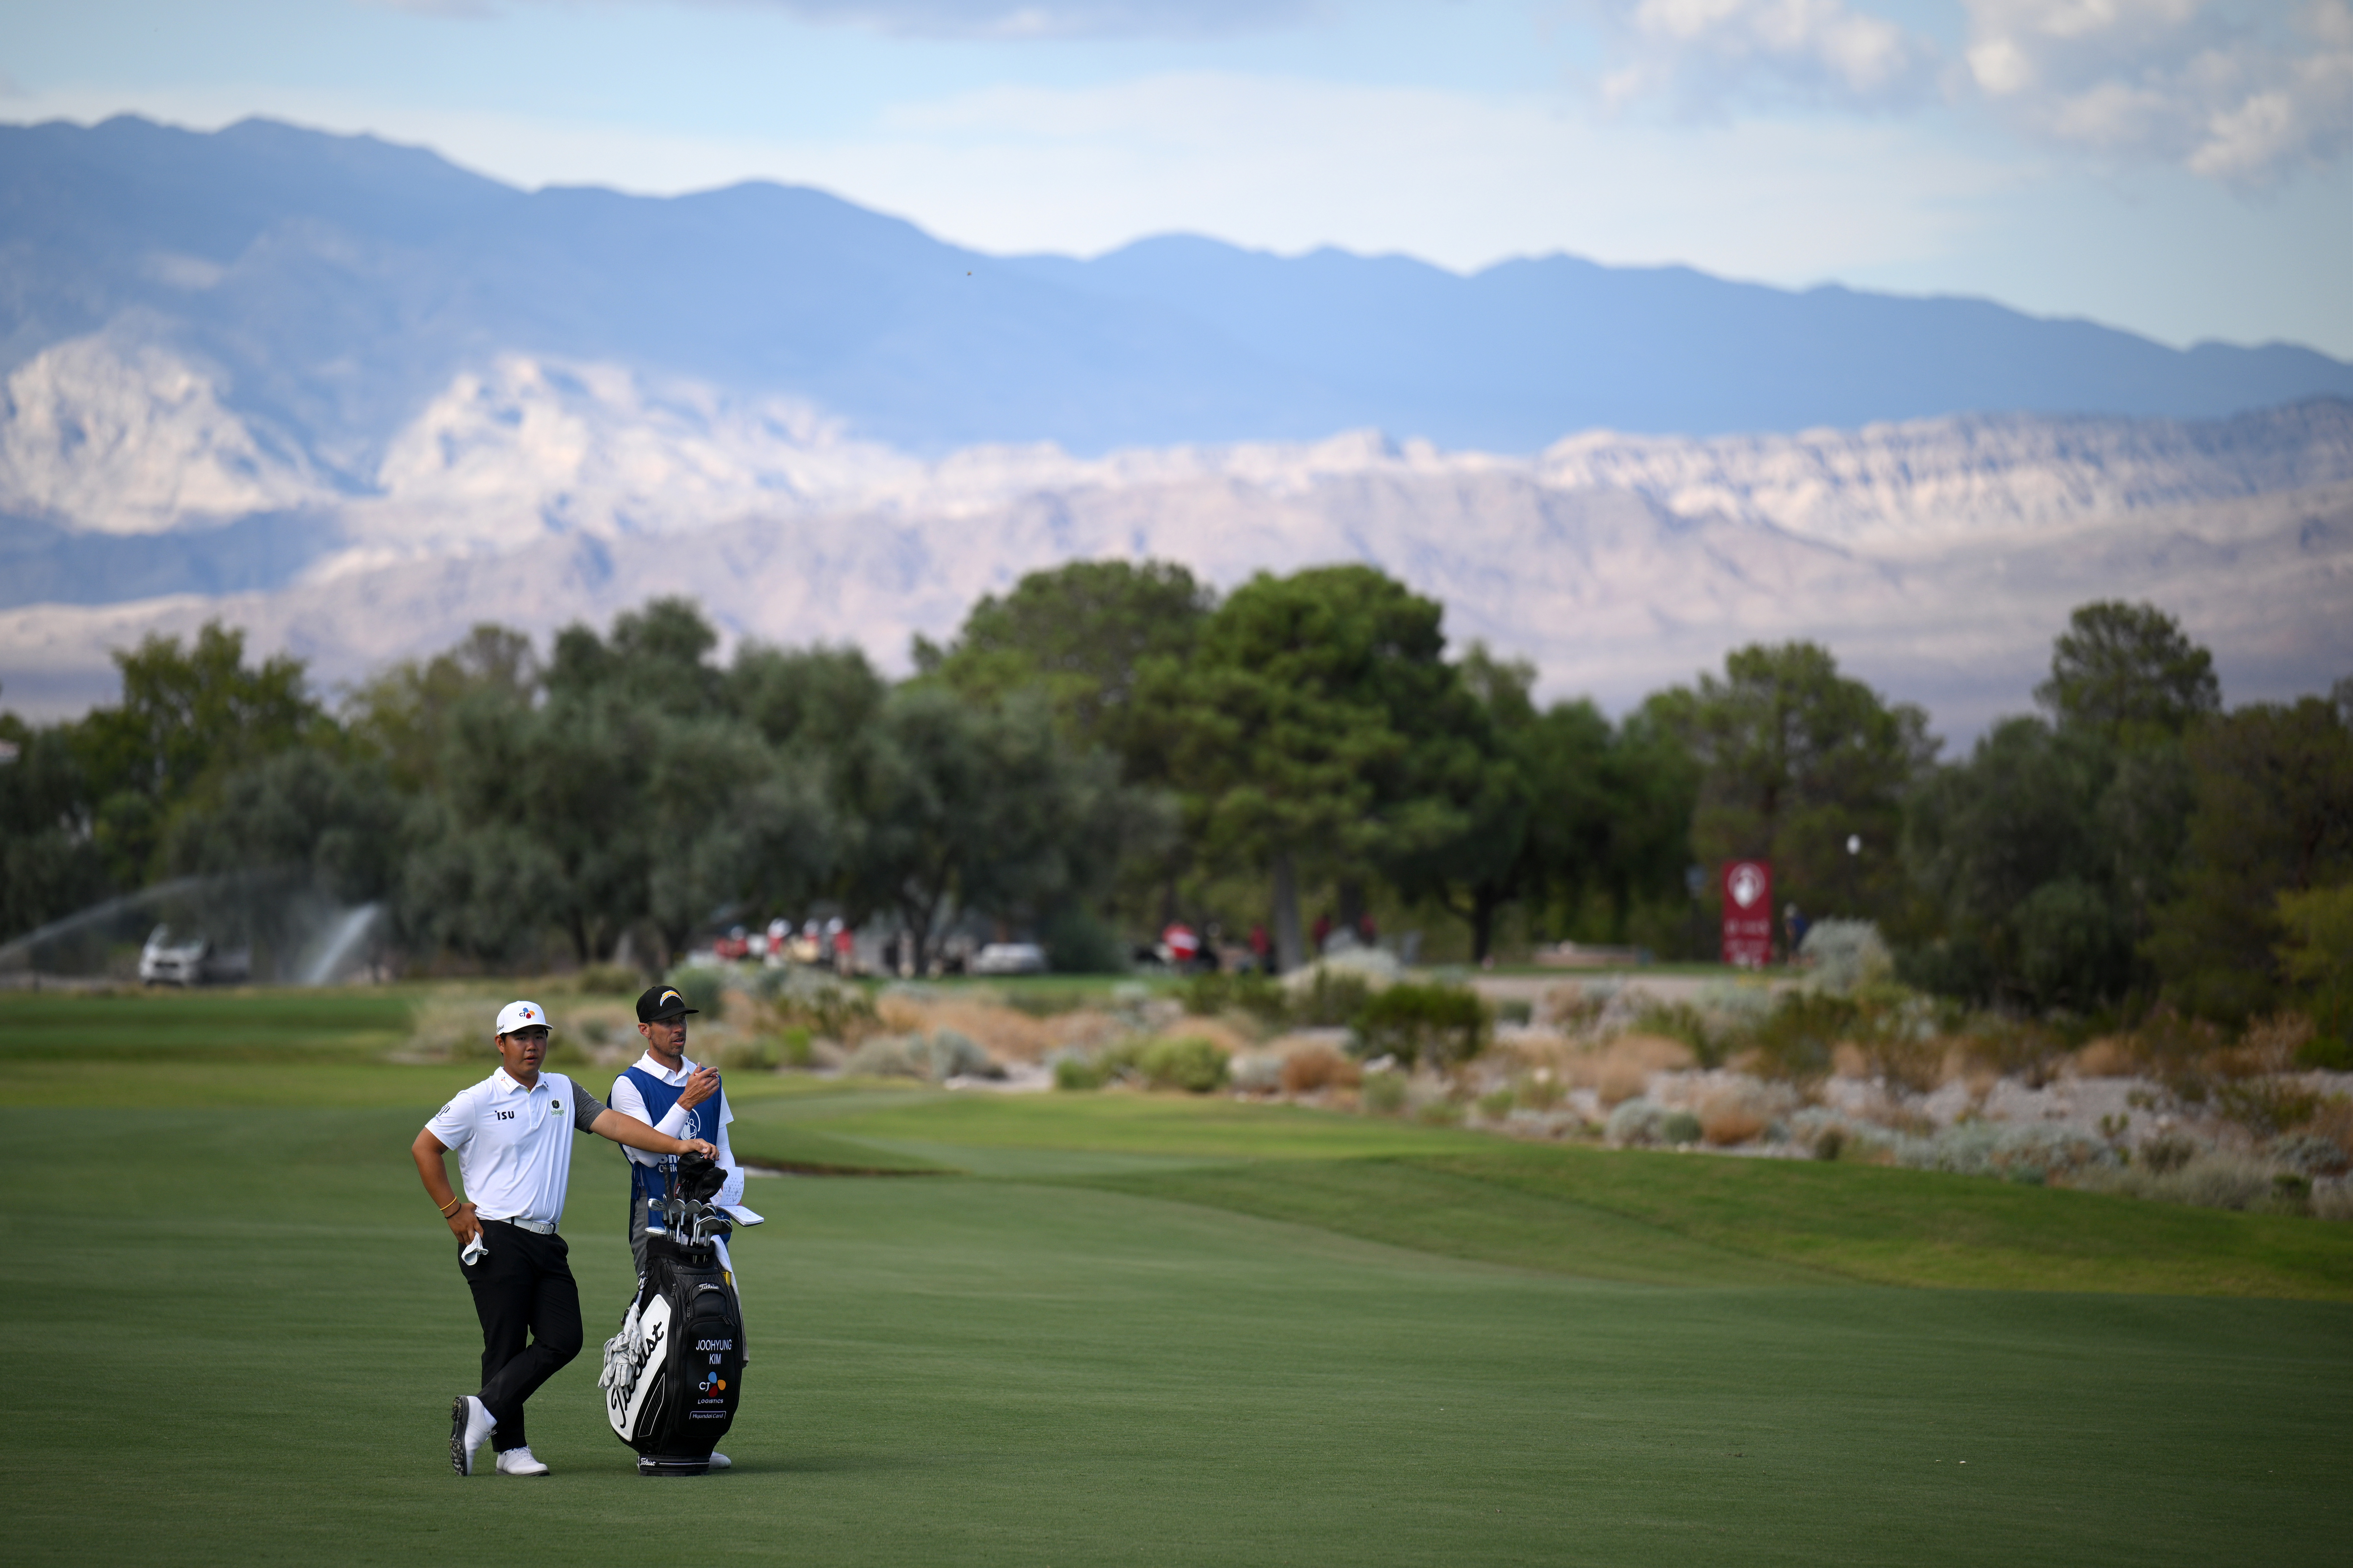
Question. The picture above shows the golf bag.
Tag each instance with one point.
(674, 1373)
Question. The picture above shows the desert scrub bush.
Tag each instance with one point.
(1439, 1114)
(1496, 1103)
(1074, 1071)
(2029, 1152)
(2210, 1181)
(821, 1004)
(704, 988)
(1254, 1072)
(450, 1030)
(942, 1055)
(1682, 1021)
(1194, 1065)
(1313, 1068)
(1331, 999)
(2333, 1199)
(1437, 1025)
(2265, 1106)
(610, 980)
(1795, 1039)
(1383, 1093)
(1643, 1123)
(1515, 1010)
(760, 1055)
(1542, 1089)
(2166, 1151)
(2013, 1047)
(1207, 995)
(1727, 1119)
(1846, 954)
(2310, 1153)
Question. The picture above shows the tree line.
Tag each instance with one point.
(1110, 746)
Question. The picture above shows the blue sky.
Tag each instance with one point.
(2178, 167)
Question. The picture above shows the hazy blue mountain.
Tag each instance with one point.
(337, 284)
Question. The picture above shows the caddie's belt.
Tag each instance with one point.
(537, 1227)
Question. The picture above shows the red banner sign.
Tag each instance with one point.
(1748, 913)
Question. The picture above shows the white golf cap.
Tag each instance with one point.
(517, 1016)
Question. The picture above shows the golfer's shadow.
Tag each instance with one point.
(823, 1464)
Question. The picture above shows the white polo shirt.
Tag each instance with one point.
(515, 1144)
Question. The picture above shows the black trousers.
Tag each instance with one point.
(522, 1290)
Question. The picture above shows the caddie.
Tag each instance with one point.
(513, 1133)
(672, 1095)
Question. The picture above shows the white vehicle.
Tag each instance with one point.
(1011, 958)
(195, 962)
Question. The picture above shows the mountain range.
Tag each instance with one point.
(354, 397)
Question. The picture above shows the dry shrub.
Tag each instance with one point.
(1318, 1067)
(1848, 1061)
(1621, 1070)
(1218, 1032)
(902, 1015)
(1621, 1081)
(2269, 1045)
(2107, 1057)
(2334, 1120)
(1569, 1007)
(1726, 1119)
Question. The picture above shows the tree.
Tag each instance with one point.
(186, 715)
(2128, 673)
(1316, 726)
(49, 865)
(404, 715)
(1083, 632)
(2274, 787)
(987, 809)
(1794, 759)
(336, 819)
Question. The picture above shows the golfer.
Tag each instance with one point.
(513, 1133)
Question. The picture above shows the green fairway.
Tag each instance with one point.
(1144, 1330)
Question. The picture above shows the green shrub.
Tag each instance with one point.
(706, 989)
(1384, 1092)
(752, 1056)
(611, 980)
(1497, 1104)
(1437, 1024)
(1440, 1113)
(795, 1046)
(1195, 1066)
(822, 1003)
(2266, 1106)
(1331, 999)
(1794, 1039)
(1259, 995)
(1682, 1021)
(2170, 1153)
(1541, 1090)
(1075, 1072)
(1515, 1010)
(1678, 1127)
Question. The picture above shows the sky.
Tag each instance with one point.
(2176, 167)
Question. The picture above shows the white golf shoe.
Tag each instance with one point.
(470, 1425)
(519, 1462)
(719, 1461)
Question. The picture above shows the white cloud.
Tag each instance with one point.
(995, 19)
(1702, 52)
(2245, 91)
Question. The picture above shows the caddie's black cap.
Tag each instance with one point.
(662, 1001)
